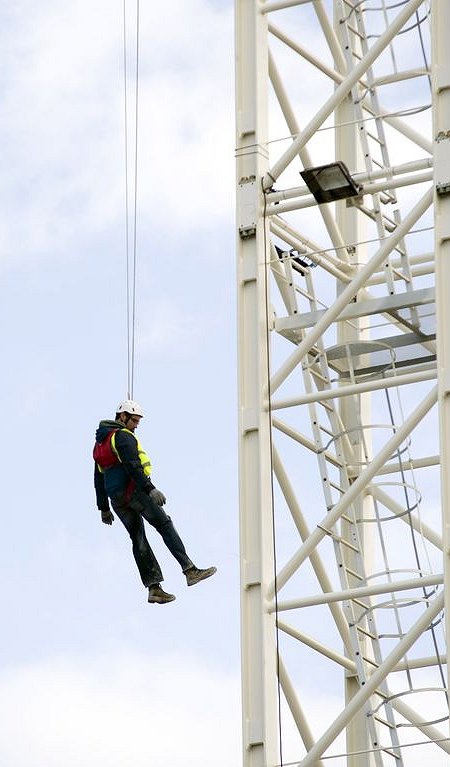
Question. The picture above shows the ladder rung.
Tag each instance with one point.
(355, 31)
(402, 276)
(326, 405)
(335, 460)
(370, 661)
(389, 752)
(353, 548)
(389, 220)
(354, 573)
(384, 722)
(318, 374)
(375, 138)
(360, 603)
(366, 633)
(327, 531)
(389, 226)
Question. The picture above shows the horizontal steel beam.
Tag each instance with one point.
(374, 187)
(410, 464)
(358, 593)
(279, 5)
(359, 388)
(360, 178)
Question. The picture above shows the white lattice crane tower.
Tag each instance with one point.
(344, 380)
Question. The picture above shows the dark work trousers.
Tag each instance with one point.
(132, 513)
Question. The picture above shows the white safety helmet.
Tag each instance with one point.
(130, 406)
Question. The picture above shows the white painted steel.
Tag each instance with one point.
(401, 379)
(341, 528)
(364, 693)
(418, 524)
(358, 486)
(412, 463)
(341, 596)
(278, 5)
(305, 156)
(441, 134)
(341, 92)
(361, 178)
(350, 291)
(259, 687)
(294, 704)
(381, 186)
(399, 125)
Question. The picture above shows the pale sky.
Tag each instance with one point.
(91, 674)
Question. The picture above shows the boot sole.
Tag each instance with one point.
(159, 601)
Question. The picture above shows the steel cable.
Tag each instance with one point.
(131, 259)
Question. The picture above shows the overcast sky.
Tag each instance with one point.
(91, 674)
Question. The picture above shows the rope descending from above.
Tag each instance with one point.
(131, 258)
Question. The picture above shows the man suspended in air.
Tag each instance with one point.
(122, 474)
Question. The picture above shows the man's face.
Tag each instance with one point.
(130, 421)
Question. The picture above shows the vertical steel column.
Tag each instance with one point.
(441, 135)
(353, 410)
(258, 638)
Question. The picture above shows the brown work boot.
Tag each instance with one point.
(158, 595)
(195, 574)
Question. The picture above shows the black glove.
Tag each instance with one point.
(107, 516)
(157, 496)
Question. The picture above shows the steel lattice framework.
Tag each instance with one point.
(344, 381)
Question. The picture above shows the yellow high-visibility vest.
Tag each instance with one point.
(143, 457)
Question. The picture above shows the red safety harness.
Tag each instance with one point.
(105, 458)
(104, 454)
